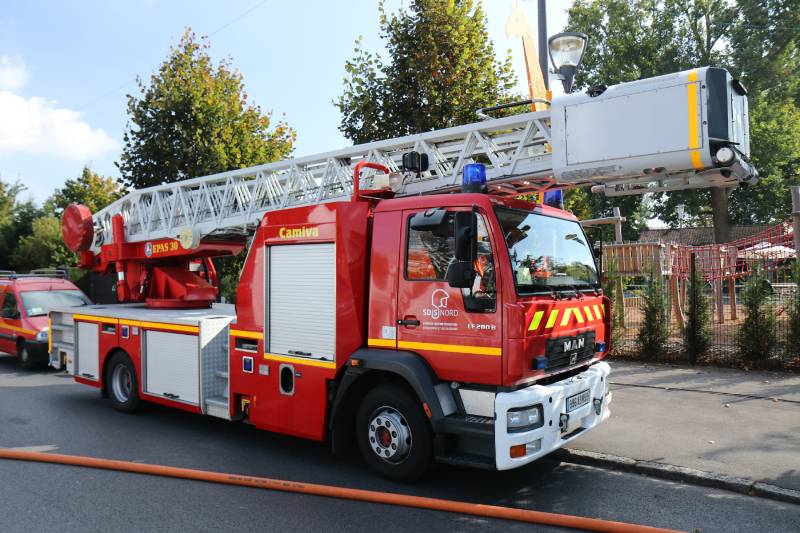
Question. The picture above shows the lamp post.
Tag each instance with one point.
(566, 53)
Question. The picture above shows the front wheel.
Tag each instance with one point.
(394, 437)
(121, 383)
(25, 357)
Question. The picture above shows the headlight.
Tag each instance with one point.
(524, 418)
(42, 336)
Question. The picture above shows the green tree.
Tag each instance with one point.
(16, 219)
(44, 247)
(792, 341)
(194, 119)
(696, 332)
(90, 189)
(756, 335)
(756, 40)
(654, 332)
(441, 68)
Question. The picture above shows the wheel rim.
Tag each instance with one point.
(121, 383)
(389, 435)
(23, 354)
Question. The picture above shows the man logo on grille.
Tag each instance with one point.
(574, 344)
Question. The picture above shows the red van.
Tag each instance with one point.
(26, 300)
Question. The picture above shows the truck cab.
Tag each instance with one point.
(517, 341)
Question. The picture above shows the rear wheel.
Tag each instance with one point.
(394, 437)
(121, 383)
(25, 356)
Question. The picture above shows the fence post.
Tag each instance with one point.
(617, 225)
(732, 296)
(693, 298)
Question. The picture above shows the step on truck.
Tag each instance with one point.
(397, 298)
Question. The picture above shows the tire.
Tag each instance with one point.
(25, 357)
(393, 434)
(122, 384)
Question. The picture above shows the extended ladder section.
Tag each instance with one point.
(680, 131)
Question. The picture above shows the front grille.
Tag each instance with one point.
(565, 351)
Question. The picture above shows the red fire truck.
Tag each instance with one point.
(418, 312)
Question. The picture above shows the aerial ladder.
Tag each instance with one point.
(680, 131)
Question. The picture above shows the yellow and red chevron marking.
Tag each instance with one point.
(577, 314)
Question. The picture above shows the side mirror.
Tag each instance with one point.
(461, 273)
(466, 223)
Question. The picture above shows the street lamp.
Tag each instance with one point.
(566, 52)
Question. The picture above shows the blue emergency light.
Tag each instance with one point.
(554, 198)
(474, 178)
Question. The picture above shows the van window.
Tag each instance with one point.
(10, 305)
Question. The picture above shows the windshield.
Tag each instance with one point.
(546, 252)
(38, 303)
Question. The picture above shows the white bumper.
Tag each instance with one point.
(549, 436)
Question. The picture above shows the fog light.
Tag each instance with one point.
(598, 406)
(539, 362)
(533, 447)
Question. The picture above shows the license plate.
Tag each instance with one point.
(576, 401)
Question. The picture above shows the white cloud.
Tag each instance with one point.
(36, 126)
(13, 73)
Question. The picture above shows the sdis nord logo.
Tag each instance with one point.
(439, 309)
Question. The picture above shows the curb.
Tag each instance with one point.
(679, 473)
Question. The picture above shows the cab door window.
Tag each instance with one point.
(10, 306)
(429, 253)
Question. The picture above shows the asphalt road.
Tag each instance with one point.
(48, 410)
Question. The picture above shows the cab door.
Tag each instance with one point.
(9, 323)
(458, 331)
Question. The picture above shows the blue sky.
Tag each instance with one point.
(65, 68)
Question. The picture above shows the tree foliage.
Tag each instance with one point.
(654, 332)
(756, 40)
(194, 119)
(696, 332)
(90, 189)
(441, 67)
(756, 335)
(44, 247)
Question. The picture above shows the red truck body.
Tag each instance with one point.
(393, 322)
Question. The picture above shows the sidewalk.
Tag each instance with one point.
(723, 421)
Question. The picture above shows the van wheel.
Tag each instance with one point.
(25, 357)
(393, 434)
(121, 383)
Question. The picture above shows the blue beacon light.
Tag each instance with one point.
(554, 198)
(474, 178)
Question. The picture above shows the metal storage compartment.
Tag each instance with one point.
(172, 366)
(88, 351)
(301, 302)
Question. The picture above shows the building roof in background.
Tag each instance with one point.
(697, 236)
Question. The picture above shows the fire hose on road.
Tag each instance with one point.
(386, 498)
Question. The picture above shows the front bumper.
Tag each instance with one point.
(550, 436)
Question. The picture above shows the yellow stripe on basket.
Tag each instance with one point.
(694, 119)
